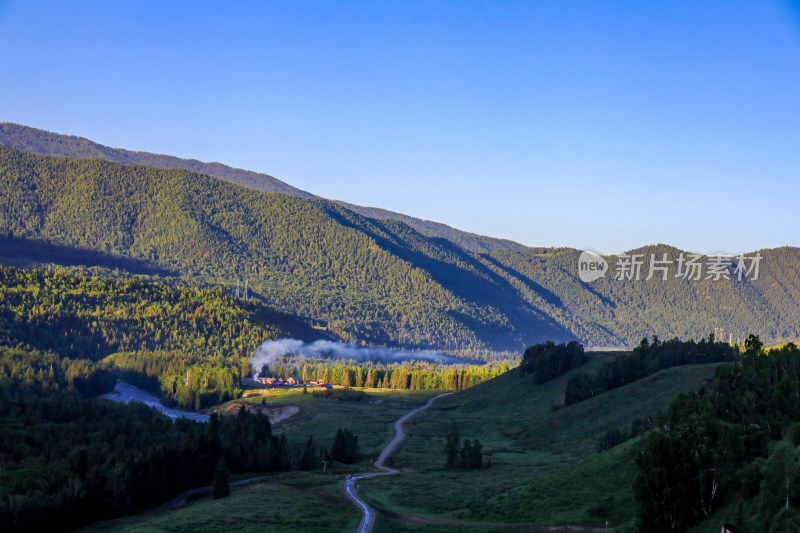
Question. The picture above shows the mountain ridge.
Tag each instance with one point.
(42, 142)
(370, 280)
(359, 278)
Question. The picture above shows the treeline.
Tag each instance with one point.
(90, 317)
(68, 459)
(194, 382)
(189, 381)
(616, 435)
(548, 360)
(732, 444)
(48, 372)
(646, 359)
(401, 376)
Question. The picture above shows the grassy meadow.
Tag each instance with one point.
(371, 418)
(286, 503)
(544, 467)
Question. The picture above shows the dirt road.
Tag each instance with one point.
(350, 486)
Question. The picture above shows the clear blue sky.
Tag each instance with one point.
(604, 125)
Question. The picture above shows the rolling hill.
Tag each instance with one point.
(544, 468)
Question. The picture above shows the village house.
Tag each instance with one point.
(279, 382)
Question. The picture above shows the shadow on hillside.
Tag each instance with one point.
(543, 293)
(20, 251)
(466, 277)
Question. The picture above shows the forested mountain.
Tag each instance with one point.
(468, 241)
(42, 142)
(609, 311)
(169, 331)
(376, 281)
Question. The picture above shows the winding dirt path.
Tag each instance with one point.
(183, 498)
(367, 512)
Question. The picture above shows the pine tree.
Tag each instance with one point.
(345, 447)
(465, 454)
(310, 455)
(222, 480)
(337, 450)
(451, 448)
(475, 456)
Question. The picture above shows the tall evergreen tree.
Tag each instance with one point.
(451, 448)
(222, 480)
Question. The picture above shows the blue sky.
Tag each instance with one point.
(604, 125)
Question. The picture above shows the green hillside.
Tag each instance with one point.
(42, 142)
(164, 331)
(377, 281)
(545, 468)
(364, 280)
(608, 310)
(468, 241)
(83, 315)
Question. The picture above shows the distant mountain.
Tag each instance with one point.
(376, 281)
(361, 279)
(42, 142)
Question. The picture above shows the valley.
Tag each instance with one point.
(399, 267)
(132, 276)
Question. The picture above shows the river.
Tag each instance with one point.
(125, 392)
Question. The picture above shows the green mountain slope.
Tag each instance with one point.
(468, 241)
(377, 281)
(609, 310)
(81, 315)
(42, 142)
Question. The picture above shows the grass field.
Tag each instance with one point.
(296, 501)
(287, 503)
(544, 466)
(371, 418)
